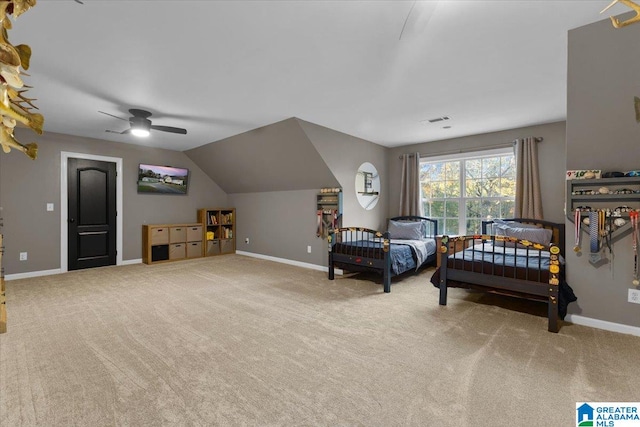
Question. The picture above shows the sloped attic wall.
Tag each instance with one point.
(277, 157)
(273, 174)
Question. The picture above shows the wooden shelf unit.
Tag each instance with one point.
(219, 226)
(171, 242)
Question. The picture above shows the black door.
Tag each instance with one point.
(92, 213)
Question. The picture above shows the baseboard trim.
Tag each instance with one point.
(603, 324)
(41, 273)
(31, 274)
(285, 261)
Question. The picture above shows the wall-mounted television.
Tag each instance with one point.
(156, 179)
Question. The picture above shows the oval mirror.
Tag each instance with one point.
(367, 186)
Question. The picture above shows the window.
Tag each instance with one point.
(460, 191)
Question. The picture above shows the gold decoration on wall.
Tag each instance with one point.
(15, 107)
(616, 22)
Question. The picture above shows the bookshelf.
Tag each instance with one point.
(219, 230)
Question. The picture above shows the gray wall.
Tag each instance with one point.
(283, 223)
(280, 224)
(26, 186)
(603, 78)
(551, 153)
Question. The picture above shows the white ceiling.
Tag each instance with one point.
(219, 68)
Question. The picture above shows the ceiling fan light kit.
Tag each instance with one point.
(141, 125)
(140, 132)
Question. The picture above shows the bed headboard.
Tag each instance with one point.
(431, 225)
(557, 238)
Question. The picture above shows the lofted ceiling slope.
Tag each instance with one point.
(277, 157)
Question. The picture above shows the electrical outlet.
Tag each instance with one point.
(23, 256)
(634, 296)
(246, 240)
(49, 207)
(308, 249)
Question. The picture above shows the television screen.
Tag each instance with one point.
(162, 179)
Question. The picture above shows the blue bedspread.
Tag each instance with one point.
(506, 256)
(402, 256)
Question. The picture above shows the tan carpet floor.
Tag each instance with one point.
(238, 341)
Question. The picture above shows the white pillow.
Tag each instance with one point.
(408, 230)
(500, 225)
(530, 232)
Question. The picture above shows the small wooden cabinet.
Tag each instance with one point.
(219, 225)
(171, 242)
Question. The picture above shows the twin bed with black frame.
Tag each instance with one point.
(505, 261)
(408, 244)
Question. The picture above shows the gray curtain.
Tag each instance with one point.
(410, 203)
(528, 197)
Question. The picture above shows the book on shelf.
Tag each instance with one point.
(213, 219)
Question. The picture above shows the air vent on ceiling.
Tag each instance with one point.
(436, 120)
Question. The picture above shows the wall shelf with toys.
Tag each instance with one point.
(328, 211)
(609, 202)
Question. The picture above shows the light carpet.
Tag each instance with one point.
(239, 341)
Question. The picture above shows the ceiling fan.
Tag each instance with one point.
(141, 125)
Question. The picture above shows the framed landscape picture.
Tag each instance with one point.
(156, 179)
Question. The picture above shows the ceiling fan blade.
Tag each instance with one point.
(169, 129)
(124, 132)
(126, 120)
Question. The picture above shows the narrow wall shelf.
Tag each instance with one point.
(609, 200)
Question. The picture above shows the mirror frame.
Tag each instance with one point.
(367, 186)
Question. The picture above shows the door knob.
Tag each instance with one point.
(72, 220)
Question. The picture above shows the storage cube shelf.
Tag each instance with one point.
(171, 242)
(214, 234)
(219, 230)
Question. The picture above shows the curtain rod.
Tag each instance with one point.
(471, 150)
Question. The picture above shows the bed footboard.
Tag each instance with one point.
(532, 272)
(360, 249)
